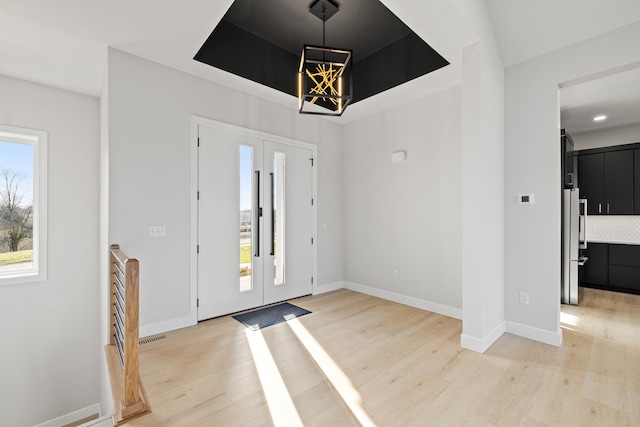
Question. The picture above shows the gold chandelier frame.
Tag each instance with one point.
(321, 80)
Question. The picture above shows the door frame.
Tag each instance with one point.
(197, 121)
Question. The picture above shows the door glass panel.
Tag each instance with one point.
(246, 218)
(278, 218)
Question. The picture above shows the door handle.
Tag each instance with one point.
(607, 207)
(273, 217)
(258, 214)
(582, 225)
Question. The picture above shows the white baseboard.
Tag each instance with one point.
(480, 345)
(72, 417)
(434, 307)
(166, 326)
(541, 335)
(328, 287)
(106, 421)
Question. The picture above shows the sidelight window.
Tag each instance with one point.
(246, 218)
(278, 203)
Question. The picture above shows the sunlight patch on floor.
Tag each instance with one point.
(281, 408)
(569, 321)
(341, 383)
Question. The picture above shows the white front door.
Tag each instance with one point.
(254, 222)
(288, 256)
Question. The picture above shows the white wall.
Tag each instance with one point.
(106, 396)
(49, 330)
(381, 199)
(150, 110)
(483, 182)
(406, 216)
(607, 137)
(532, 162)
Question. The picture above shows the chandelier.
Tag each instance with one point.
(325, 78)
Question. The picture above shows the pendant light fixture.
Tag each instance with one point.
(325, 78)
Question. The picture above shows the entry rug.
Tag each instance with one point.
(268, 316)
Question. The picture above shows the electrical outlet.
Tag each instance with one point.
(395, 274)
(524, 298)
(157, 231)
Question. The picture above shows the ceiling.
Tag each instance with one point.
(271, 34)
(529, 28)
(64, 43)
(617, 96)
(526, 29)
(289, 24)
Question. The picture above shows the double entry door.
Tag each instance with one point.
(254, 222)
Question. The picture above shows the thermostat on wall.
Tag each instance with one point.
(526, 199)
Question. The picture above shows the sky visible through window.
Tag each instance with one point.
(19, 158)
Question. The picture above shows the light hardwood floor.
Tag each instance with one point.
(360, 360)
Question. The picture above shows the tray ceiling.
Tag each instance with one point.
(262, 41)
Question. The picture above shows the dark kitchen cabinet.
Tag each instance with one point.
(607, 181)
(569, 160)
(636, 172)
(624, 267)
(624, 276)
(591, 170)
(596, 270)
(618, 182)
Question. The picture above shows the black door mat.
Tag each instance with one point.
(268, 316)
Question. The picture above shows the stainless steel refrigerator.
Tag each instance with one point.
(574, 227)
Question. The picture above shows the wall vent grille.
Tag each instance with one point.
(151, 339)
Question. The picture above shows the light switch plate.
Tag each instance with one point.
(399, 156)
(157, 231)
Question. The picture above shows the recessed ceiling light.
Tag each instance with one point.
(599, 118)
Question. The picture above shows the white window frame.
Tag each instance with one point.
(38, 139)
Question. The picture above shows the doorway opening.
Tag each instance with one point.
(602, 116)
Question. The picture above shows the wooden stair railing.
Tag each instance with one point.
(129, 397)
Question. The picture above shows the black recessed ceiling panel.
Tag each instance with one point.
(262, 40)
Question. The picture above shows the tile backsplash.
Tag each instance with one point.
(614, 229)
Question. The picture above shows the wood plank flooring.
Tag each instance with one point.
(359, 360)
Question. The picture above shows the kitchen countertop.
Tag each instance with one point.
(612, 243)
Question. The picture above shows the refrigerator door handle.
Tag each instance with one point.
(582, 225)
(566, 249)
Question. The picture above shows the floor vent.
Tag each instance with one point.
(151, 339)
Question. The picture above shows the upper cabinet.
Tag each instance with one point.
(607, 182)
(637, 181)
(569, 163)
(591, 170)
(618, 182)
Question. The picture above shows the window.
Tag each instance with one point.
(278, 205)
(246, 218)
(23, 203)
